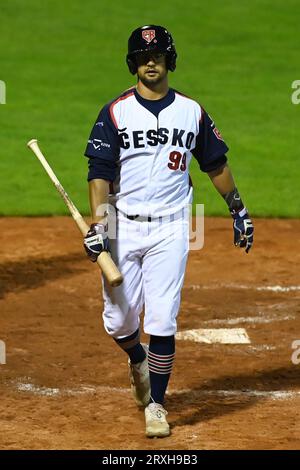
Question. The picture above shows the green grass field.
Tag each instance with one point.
(62, 60)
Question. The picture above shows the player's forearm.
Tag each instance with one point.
(98, 193)
(223, 181)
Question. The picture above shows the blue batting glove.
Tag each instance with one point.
(96, 241)
(243, 230)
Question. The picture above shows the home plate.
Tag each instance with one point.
(216, 335)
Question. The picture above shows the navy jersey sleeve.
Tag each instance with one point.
(210, 148)
(103, 148)
(101, 169)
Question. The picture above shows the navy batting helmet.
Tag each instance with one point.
(151, 38)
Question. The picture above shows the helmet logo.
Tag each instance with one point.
(148, 35)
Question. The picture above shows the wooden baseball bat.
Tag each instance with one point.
(104, 260)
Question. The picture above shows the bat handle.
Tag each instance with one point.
(104, 260)
(109, 269)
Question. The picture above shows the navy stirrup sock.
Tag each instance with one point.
(160, 358)
(132, 346)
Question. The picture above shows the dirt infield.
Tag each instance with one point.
(65, 384)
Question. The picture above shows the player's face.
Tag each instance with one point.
(151, 67)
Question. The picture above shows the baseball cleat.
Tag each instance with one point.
(156, 422)
(140, 380)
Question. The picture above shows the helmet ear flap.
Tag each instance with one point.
(171, 61)
(131, 65)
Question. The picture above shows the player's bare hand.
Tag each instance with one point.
(96, 241)
(243, 231)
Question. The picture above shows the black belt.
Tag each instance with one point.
(143, 218)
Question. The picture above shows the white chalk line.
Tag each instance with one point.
(55, 392)
(262, 320)
(275, 288)
(90, 389)
(215, 335)
(263, 347)
(268, 394)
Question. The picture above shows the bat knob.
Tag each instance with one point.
(31, 142)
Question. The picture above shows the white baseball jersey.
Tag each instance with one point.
(144, 149)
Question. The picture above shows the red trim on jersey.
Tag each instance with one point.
(202, 114)
(111, 108)
(185, 96)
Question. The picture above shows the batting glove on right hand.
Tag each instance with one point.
(243, 230)
(96, 241)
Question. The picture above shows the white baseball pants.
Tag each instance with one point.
(152, 257)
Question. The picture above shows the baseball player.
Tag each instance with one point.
(139, 153)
